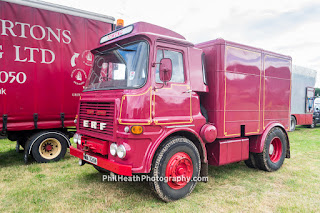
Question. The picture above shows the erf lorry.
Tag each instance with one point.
(157, 104)
(44, 63)
(302, 97)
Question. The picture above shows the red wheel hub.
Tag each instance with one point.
(48, 147)
(179, 170)
(275, 150)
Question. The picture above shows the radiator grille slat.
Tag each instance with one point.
(90, 111)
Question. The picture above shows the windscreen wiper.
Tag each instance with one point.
(124, 49)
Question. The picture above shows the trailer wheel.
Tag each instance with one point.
(293, 123)
(101, 170)
(48, 146)
(251, 162)
(175, 169)
(274, 151)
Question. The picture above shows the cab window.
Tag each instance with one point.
(204, 73)
(177, 65)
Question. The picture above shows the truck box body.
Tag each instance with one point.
(303, 83)
(244, 85)
(44, 62)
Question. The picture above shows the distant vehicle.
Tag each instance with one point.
(44, 63)
(316, 113)
(302, 97)
(317, 103)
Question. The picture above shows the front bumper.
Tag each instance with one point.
(104, 163)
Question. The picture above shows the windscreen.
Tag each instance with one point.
(119, 68)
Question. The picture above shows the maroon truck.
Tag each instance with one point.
(157, 104)
(44, 63)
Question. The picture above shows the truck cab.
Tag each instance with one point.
(145, 109)
(125, 92)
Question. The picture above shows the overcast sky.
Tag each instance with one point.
(290, 27)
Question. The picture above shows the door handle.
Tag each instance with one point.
(188, 91)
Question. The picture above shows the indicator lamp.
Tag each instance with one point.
(137, 130)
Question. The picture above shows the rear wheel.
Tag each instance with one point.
(293, 123)
(274, 151)
(48, 146)
(175, 169)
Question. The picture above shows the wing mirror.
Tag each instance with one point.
(165, 72)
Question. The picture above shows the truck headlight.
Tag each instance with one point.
(113, 149)
(77, 138)
(121, 151)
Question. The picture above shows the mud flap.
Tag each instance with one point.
(26, 156)
(204, 172)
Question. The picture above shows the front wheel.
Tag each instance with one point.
(175, 169)
(274, 151)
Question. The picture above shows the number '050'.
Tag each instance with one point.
(10, 77)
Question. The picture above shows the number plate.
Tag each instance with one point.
(90, 159)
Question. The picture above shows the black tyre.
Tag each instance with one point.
(293, 123)
(101, 170)
(274, 151)
(178, 158)
(251, 162)
(48, 146)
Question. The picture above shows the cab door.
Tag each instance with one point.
(172, 101)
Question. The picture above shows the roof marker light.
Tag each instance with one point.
(120, 24)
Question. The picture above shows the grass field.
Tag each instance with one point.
(65, 187)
